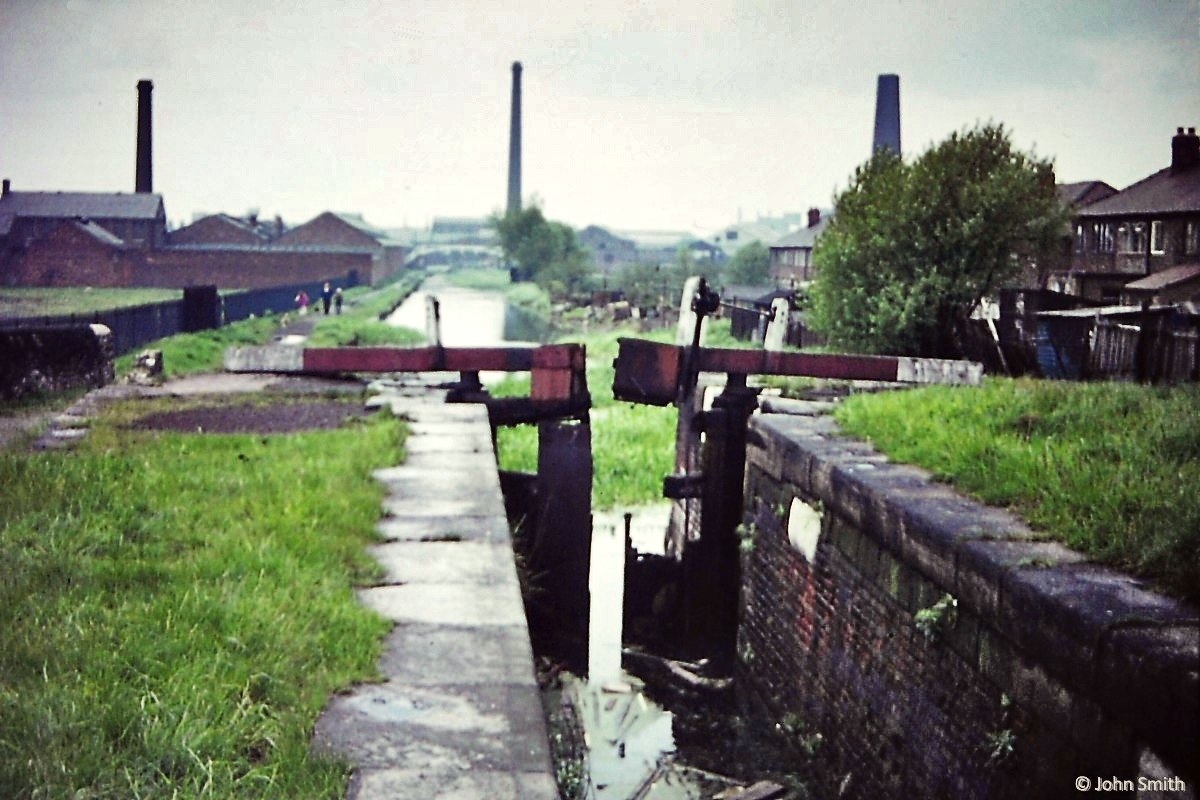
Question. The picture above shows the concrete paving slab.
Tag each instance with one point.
(402, 527)
(421, 784)
(459, 714)
(452, 462)
(446, 562)
(479, 442)
(420, 655)
(466, 486)
(481, 726)
(413, 505)
(441, 604)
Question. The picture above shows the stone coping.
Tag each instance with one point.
(1098, 631)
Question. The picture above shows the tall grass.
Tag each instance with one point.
(176, 609)
(1108, 468)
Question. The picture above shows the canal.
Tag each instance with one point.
(628, 737)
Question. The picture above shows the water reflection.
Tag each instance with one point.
(470, 318)
(629, 737)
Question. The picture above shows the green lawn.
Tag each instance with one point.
(176, 610)
(1111, 469)
(44, 302)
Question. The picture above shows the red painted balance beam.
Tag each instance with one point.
(557, 370)
(649, 372)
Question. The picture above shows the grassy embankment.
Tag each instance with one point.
(176, 609)
(1110, 469)
(151, 644)
(359, 324)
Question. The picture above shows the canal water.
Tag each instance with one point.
(629, 737)
(470, 318)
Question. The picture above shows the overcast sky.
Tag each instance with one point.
(638, 115)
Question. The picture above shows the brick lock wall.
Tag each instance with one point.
(1031, 656)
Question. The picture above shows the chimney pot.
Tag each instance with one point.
(1185, 151)
(6, 187)
(814, 217)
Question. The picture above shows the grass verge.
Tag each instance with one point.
(188, 353)
(48, 302)
(1110, 469)
(176, 609)
(361, 324)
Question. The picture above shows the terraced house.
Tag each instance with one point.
(1142, 242)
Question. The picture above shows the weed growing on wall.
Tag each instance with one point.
(934, 621)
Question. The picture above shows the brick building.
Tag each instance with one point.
(791, 256)
(349, 233)
(1144, 229)
(40, 249)
(136, 219)
(226, 229)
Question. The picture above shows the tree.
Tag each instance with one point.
(542, 250)
(750, 266)
(913, 248)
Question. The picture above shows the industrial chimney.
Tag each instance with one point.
(143, 182)
(887, 114)
(514, 143)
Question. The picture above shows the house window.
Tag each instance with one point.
(1131, 237)
(1102, 236)
(1191, 238)
(1079, 238)
(1158, 238)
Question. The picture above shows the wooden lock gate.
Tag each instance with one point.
(710, 446)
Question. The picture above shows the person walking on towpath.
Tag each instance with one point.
(337, 300)
(302, 302)
(326, 297)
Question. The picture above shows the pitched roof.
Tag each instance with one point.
(1160, 193)
(1083, 193)
(99, 233)
(70, 205)
(1165, 278)
(805, 237)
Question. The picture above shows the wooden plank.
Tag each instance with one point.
(370, 359)
(814, 365)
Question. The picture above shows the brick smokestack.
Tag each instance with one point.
(514, 143)
(887, 114)
(144, 181)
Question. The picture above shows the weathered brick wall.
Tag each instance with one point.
(252, 268)
(48, 360)
(1047, 669)
(81, 263)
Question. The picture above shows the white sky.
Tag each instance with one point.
(642, 115)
